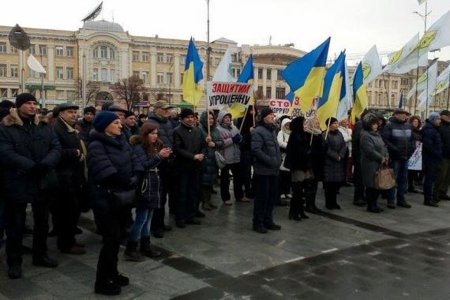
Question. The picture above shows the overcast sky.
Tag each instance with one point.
(354, 25)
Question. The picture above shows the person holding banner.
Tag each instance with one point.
(431, 157)
(231, 152)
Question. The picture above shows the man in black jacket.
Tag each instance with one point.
(443, 174)
(28, 152)
(189, 148)
(84, 126)
(72, 175)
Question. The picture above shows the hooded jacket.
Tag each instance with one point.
(231, 151)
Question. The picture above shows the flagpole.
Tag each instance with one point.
(208, 59)
(448, 90)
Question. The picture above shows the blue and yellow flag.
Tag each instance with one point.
(333, 91)
(305, 76)
(360, 94)
(193, 73)
(247, 71)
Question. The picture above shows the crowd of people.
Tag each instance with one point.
(128, 168)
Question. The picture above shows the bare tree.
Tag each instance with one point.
(129, 89)
(92, 89)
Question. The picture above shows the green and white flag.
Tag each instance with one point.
(421, 1)
(397, 58)
(371, 65)
(428, 94)
(421, 83)
(442, 81)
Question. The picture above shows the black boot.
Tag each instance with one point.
(296, 201)
(107, 287)
(146, 249)
(131, 252)
(310, 197)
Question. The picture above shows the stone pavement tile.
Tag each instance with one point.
(19, 289)
(61, 285)
(208, 293)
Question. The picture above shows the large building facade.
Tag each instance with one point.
(103, 53)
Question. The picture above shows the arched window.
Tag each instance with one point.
(104, 52)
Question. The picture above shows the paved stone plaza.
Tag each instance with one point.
(346, 254)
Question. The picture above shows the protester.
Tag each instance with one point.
(150, 152)
(347, 135)
(84, 126)
(334, 169)
(112, 164)
(373, 154)
(121, 113)
(267, 161)
(359, 189)
(161, 117)
(397, 135)
(131, 123)
(232, 153)
(72, 176)
(285, 174)
(413, 175)
(431, 157)
(443, 177)
(209, 168)
(189, 149)
(28, 153)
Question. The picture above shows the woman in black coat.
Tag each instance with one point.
(112, 164)
(150, 152)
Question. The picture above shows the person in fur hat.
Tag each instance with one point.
(28, 153)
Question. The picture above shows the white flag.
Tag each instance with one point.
(345, 103)
(397, 57)
(421, 83)
(429, 88)
(438, 35)
(223, 71)
(371, 65)
(442, 81)
(421, 1)
(35, 65)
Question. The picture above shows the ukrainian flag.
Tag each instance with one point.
(333, 91)
(305, 76)
(247, 71)
(359, 90)
(193, 73)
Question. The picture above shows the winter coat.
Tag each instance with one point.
(444, 130)
(165, 129)
(265, 150)
(298, 150)
(112, 164)
(23, 144)
(356, 137)
(373, 150)
(432, 148)
(149, 185)
(84, 128)
(333, 170)
(70, 170)
(231, 151)
(209, 165)
(283, 138)
(399, 139)
(347, 135)
(188, 141)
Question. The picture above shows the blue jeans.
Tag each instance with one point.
(141, 225)
(401, 174)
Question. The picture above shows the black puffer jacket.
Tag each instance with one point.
(265, 150)
(444, 130)
(432, 144)
(298, 150)
(336, 148)
(188, 141)
(23, 144)
(399, 139)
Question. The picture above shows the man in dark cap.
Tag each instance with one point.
(266, 166)
(28, 153)
(121, 113)
(131, 123)
(72, 175)
(84, 126)
(189, 148)
(443, 169)
(397, 135)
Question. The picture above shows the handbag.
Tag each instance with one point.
(220, 160)
(385, 178)
(123, 198)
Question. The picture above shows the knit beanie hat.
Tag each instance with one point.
(24, 98)
(265, 112)
(433, 116)
(89, 109)
(103, 119)
(185, 112)
(330, 121)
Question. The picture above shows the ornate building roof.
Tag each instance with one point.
(103, 25)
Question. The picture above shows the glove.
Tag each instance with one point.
(237, 138)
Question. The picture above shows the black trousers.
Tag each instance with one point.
(372, 197)
(169, 186)
(357, 179)
(110, 225)
(15, 214)
(225, 182)
(266, 194)
(331, 189)
(66, 215)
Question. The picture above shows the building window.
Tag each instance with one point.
(69, 51)
(59, 94)
(3, 47)
(268, 92)
(279, 77)
(3, 93)
(43, 50)
(160, 78)
(95, 74)
(183, 60)
(3, 70)
(104, 75)
(32, 49)
(14, 92)
(71, 95)
(112, 53)
(234, 57)
(59, 51)
(269, 74)
(169, 58)
(181, 78)
(260, 73)
(69, 72)
(13, 49)
(280, 93)
(112, 74)
(395, 84)
(34, 74)
(59, 73)
(14, 71)
(104, 52)
(145, 77)
(169, 78)
(260, 90)
(145, 56)
(160, 57)
(135, 55)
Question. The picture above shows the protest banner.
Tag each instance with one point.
(222, 95)
(415, 161)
